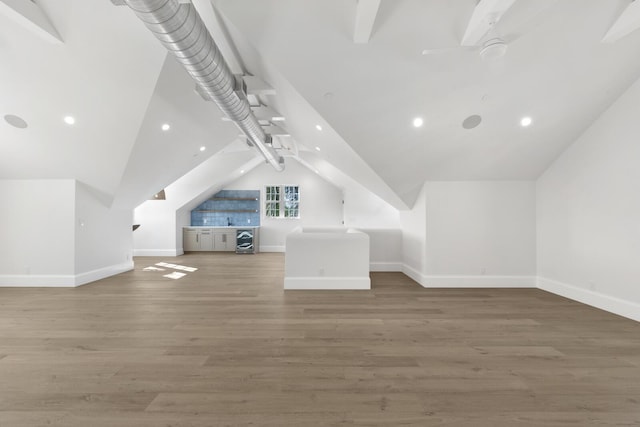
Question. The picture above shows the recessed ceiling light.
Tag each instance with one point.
(15, 121)
(525, 121)
(70, 120)
(242, 171)
(418, 121)
(317, 148)
(318, 127)
(165, 127)
(203, 148)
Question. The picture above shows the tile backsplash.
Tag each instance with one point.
(229, 207)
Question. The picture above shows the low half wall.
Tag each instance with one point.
(327, 258)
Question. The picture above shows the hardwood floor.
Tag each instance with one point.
(225, 345)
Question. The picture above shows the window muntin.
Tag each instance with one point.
(282, 201)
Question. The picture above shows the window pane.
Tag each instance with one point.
(272, 201)
(291, 201)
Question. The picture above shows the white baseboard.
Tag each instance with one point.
(101, 273)
(62, 280)
(479, 281)
(272, 248)
(608, 303)
(462, 281)
(37, 281)
(157, 252)
(327, 283)
(414, 274)
(385, 266)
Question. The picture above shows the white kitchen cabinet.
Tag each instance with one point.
(190, 240)
(224, 240)
(231, 240)
(218, 239)
(206, 239)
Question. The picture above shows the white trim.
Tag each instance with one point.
(158, 252)
(271, 248)
(327, 283)
(462, 281)
(62, 280)
(37, 281)
(414, 274)
(385, 266)
(608, 303)
(451, 281)
(101, 273)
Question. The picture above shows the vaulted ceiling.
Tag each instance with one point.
(114, 77)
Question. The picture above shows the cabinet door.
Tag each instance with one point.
(206, 240)
(222, 241)
(190, 240)
(231, 240)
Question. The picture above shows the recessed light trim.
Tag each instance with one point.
(203, 148)
(242, 171)
(15, 121)
(418, 122)
(317, 148)
(318, 127)
(70, 120)
(165, 127)
(526, 121)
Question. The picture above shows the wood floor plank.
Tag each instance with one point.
(227, 346)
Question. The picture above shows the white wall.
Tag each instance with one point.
(60, 232)
(414, 232)
(323, 258)
(156, 235)
(36, 231)
(320, 201)
(385, 249)
(365, 210)
(483, 228)
(103, 237)
(161, 221)
(160, 233)
(468, 234)
(588, 213)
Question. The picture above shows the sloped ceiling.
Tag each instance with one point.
(103, 74)
(161, 157)
(116, 79)
(556, 70)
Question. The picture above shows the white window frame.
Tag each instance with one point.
(277, 201)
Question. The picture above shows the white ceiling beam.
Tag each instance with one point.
(262, 113)
(32, 17)
(257, 86)
(366, 11)
(213, 21)
(627, 22)
(485, 15)
(266, 113)
(275, 130)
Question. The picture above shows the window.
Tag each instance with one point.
(272, 201)
(282, 201)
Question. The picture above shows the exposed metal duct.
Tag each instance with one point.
(181, 30)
